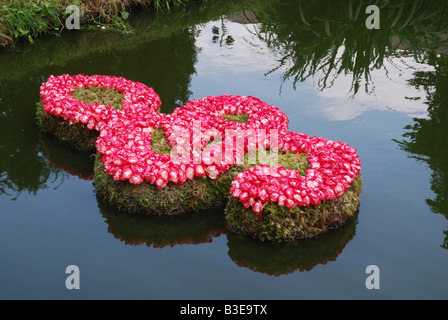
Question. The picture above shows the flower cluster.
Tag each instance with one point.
(57, 99)
(203, 142)
(125, 142)
(210, 112)
(332, 168)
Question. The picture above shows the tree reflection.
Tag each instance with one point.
(221, 35)
(23, 165)
(427, 139)
(328, 38)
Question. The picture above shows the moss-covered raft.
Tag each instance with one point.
(194, 195)
(277, 223)
(78, 135)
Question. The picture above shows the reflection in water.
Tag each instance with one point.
(220, 34)
(66, 51)
(161, 231)
(76, 163)
(311, 38)
(270, 258)
(283, 258)
(23, 165)
(427, 139)
(319, 37)
(256, 46)
(390, 92)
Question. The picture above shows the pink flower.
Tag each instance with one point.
(258, 207)
(332, 168)
(126, 135)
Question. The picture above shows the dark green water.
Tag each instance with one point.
(317, 62)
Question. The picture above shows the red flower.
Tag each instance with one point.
(126, 135)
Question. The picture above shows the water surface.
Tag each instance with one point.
(324, 70)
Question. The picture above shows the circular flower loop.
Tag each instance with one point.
(198, 134)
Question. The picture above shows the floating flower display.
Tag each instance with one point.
(207, 138)
(332, 168)
(210, 112)
(125, 141)
(57, 99)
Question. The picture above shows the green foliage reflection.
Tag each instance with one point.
(427, 139)
(331, 38)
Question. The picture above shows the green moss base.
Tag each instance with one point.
(195, 195)
(282, 224)
(76, 135)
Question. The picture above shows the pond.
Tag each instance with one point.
(383, 91)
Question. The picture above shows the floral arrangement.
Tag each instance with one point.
(125, 141)
(332, 168)
(57, 99)
(203, 142)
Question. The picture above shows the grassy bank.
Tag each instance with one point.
(30, 19)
